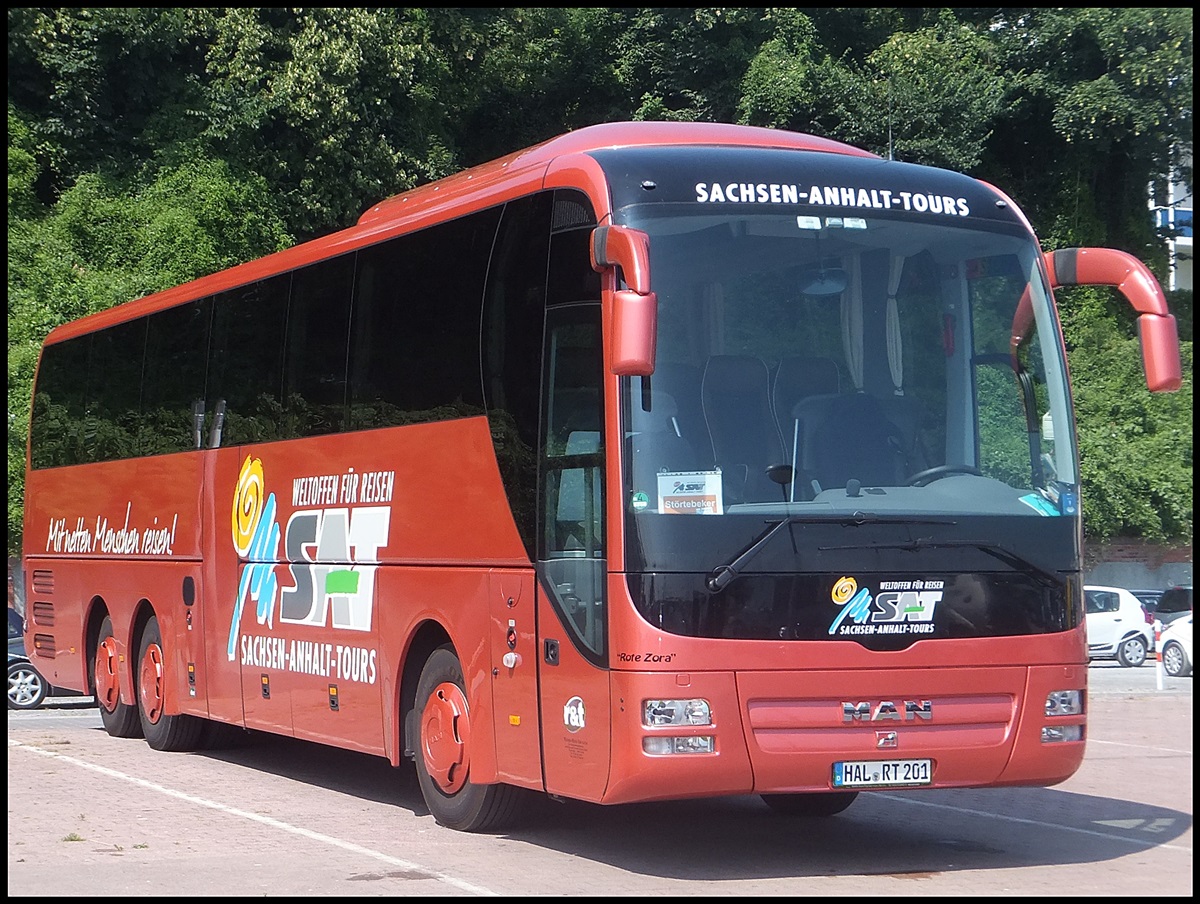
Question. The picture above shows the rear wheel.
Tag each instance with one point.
(163, 732)
(26, 688)
(821, 804)
(120, 719)
(1131, 652)
(443, 753)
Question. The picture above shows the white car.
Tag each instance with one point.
(1116, 626)
(1176, 646)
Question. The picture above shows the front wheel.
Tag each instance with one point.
(120, 719)
(814, 805)
(444, 753)
(26, 687)
(163, 732)
(1174, 659)
(1132, 652)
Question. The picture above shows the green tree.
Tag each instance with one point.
(687, 64)
(926, 96)
(1135, 447)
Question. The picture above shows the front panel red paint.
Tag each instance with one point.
(779, 725)
(577, 709)
(512, 633)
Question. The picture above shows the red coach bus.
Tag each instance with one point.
(658, 460)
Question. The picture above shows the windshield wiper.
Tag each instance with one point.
(721, 576)
(1008, 557)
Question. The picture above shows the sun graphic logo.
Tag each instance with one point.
(247, 504)
(255, 537)
(844, 590)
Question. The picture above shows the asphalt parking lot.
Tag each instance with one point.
(95, 815)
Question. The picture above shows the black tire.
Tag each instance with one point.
(810, 805)
(162, 732)
(1174, 660)
(120, 719)
(26, 687)
(443, 759)
(1131, 652)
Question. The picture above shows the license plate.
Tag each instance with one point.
(882, 774)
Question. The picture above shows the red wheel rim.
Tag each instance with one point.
(150, 687)
(445, 733)
(108, 688)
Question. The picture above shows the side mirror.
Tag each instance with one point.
(635, 309)
(1133, 279)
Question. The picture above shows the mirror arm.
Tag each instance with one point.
(629, 249)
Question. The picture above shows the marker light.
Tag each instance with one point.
(1056, 733)
(656, 713)
(665, 746)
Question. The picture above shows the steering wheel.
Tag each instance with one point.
(929, 475)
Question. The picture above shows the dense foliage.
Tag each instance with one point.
(151, 146)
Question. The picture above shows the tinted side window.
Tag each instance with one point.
(512, 352)
(114, 392)
(246, 367)
(414, 353)
(317, 331)
(176, 354)
(57, 423)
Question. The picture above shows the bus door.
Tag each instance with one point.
(572, 631)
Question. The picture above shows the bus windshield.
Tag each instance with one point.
(816, 367)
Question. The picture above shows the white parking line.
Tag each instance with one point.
(1036, 822)
(1142, 747)
(265, 820)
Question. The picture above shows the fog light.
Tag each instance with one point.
(1064, 703)
(675, 712)
(665, 746)
(1053, 734)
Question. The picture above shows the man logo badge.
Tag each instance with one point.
(886, 739)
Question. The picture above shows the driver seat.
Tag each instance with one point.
(851, 437)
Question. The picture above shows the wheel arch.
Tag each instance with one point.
(427, 637)
(128, 634)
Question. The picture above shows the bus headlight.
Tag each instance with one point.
(656, 713)
(1064, 703)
